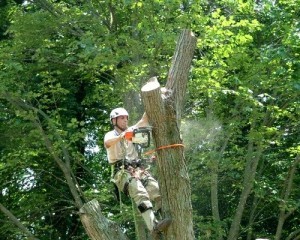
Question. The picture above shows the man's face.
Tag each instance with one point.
(121, 121)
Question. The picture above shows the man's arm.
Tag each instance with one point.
(112, 140)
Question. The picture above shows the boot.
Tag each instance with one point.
(162, 225)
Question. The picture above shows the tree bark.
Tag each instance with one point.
(252, 161)
(96, 225)
(284, 213)
(179, 71)
(163, 108)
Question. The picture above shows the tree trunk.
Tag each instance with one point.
(163, 108)
(252, 218)
(284, 213)
(97, 226)
(249, 176)
(254, 207)
(214, 187)
(216, 156)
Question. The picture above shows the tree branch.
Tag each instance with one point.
(64, 166)
(179, 70)
(17, 223)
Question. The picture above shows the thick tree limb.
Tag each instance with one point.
(179, 71)
(97, 226)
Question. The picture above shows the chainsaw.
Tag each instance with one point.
(140, 137)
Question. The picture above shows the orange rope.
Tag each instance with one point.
(164, 147)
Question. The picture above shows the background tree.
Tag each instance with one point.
(239, 80)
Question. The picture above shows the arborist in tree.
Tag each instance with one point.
(127, 173)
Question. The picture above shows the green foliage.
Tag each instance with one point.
(74, 61)
(244, 82)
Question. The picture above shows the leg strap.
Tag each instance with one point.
(126, 187)
(144, 206)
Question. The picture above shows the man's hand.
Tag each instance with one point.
(128, 135)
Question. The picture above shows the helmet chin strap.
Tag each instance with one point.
(116, 125)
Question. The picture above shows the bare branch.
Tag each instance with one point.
(17, 223)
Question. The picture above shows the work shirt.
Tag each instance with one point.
(123, 149)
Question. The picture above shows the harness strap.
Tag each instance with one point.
(112, 169)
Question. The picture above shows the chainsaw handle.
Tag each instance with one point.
(128, 135)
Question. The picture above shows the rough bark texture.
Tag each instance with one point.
(163, 107)
(252, 160)
(97, 226)
(179, 71)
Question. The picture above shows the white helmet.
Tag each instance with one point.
(118, 112)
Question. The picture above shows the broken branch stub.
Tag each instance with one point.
(96, 225)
